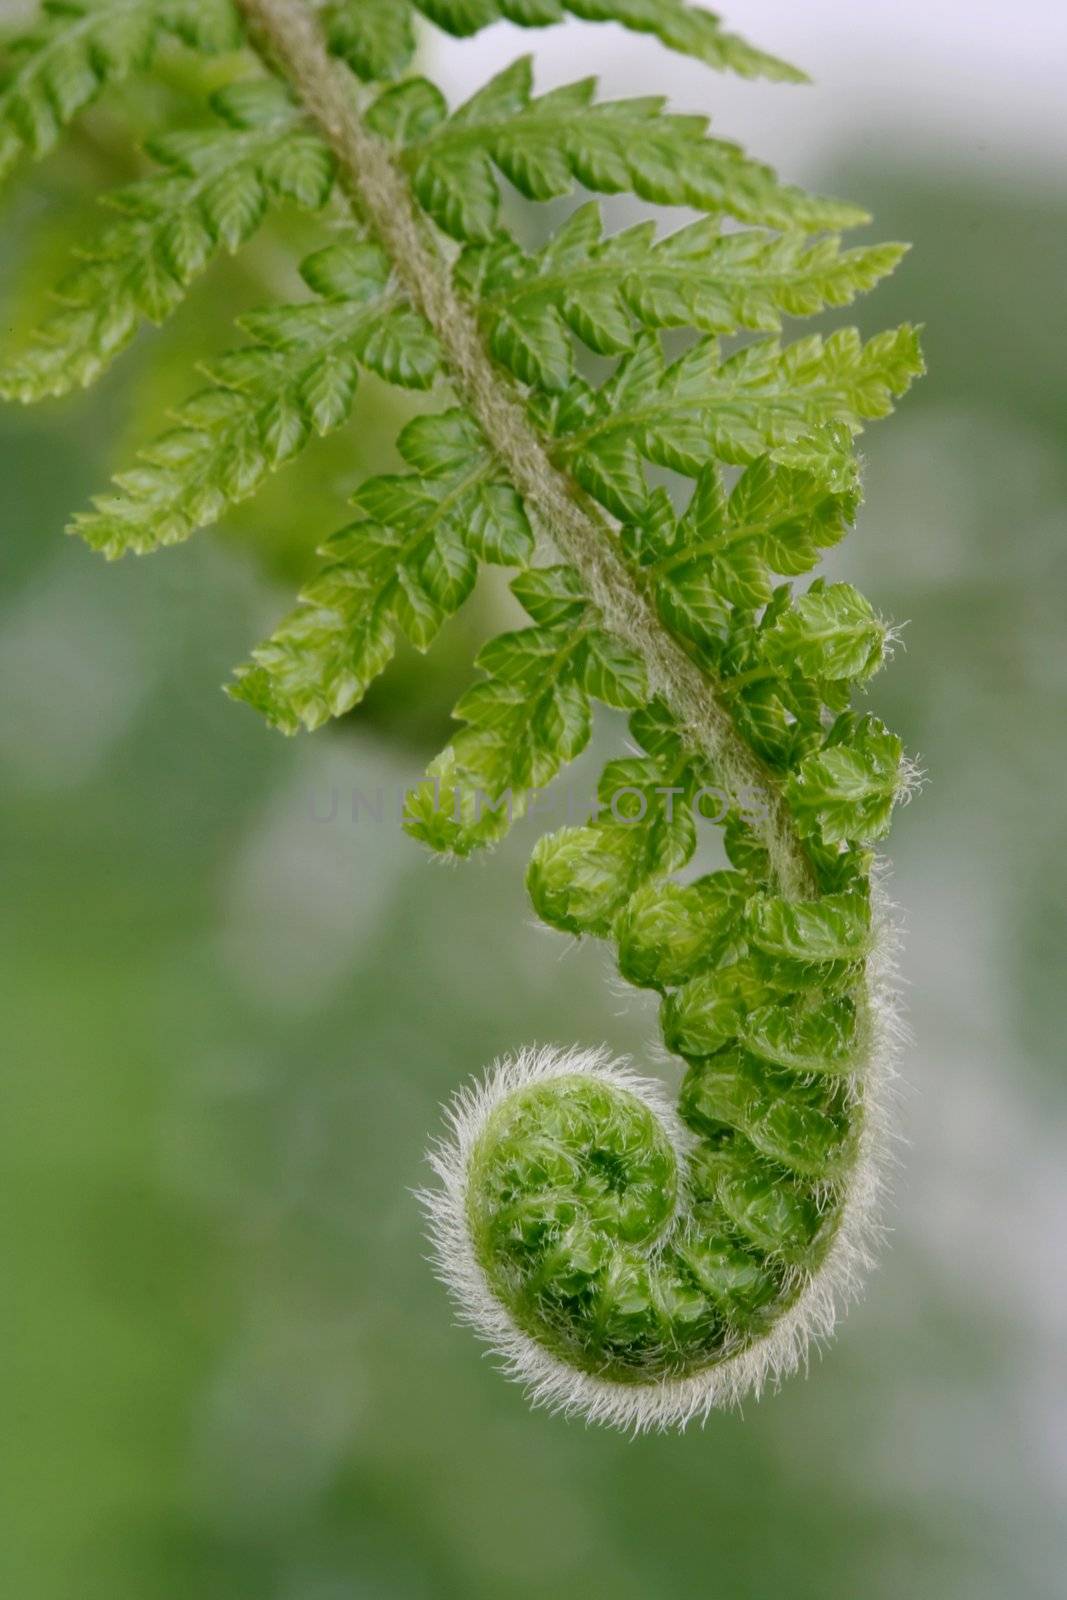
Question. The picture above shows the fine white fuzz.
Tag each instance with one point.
(670, 1402)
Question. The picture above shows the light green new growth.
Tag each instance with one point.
(634, 1260)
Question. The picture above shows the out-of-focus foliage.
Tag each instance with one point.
(377, 37)
(213, 193)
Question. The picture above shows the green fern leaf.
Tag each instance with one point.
(581, 877)
(545, 145)
(828, 633)
(264, 403)
(214, 194)
(688, 29)
(722, 552)
(818, 1039)
(603, 289)
(528, 717)
(667, 931)
(649, 1277)
(836, 927)
(801, 1124)
(684, 415)
(80, 47)
(706, 1013)
(408, 564)
(375, 37)
(847, 789)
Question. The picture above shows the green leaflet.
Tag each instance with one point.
(688, 29)
(817, 1038)
(216, 189)
(827, 633)
(686, 414)
(834, 928)
(774, 1211)
(404, 567)
(668, 931)
(801, 1124)
(847, 788)
(545, 145)
(645, 827)
(775, 949)
(789, 667)
(265, 401)
(376, 37)
(721, 554)
(602, 290)
(79, 47)
(527, 717)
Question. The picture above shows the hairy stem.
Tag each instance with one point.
(288, 34)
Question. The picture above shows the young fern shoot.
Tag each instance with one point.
(633, 1260)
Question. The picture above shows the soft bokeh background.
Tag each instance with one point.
(228, 1023)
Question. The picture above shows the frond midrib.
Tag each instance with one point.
(289, 36)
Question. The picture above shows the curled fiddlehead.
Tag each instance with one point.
(634, 1260)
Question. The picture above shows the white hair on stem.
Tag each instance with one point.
(667, 1403)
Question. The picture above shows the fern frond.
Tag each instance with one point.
(544, 146)
(690, 30)
(722, 553)
(80, 47)
(403, 568)
(634, 1261)
(604, 290)
(581, 877)
(848, 787)
(528, 716)
(215, 192)
(266, 400)
(700, 408)
(376, 37)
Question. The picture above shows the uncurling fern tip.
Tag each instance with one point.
(633, 1260)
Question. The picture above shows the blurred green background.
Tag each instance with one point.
(229, 1023)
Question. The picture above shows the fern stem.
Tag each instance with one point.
(288, 34)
